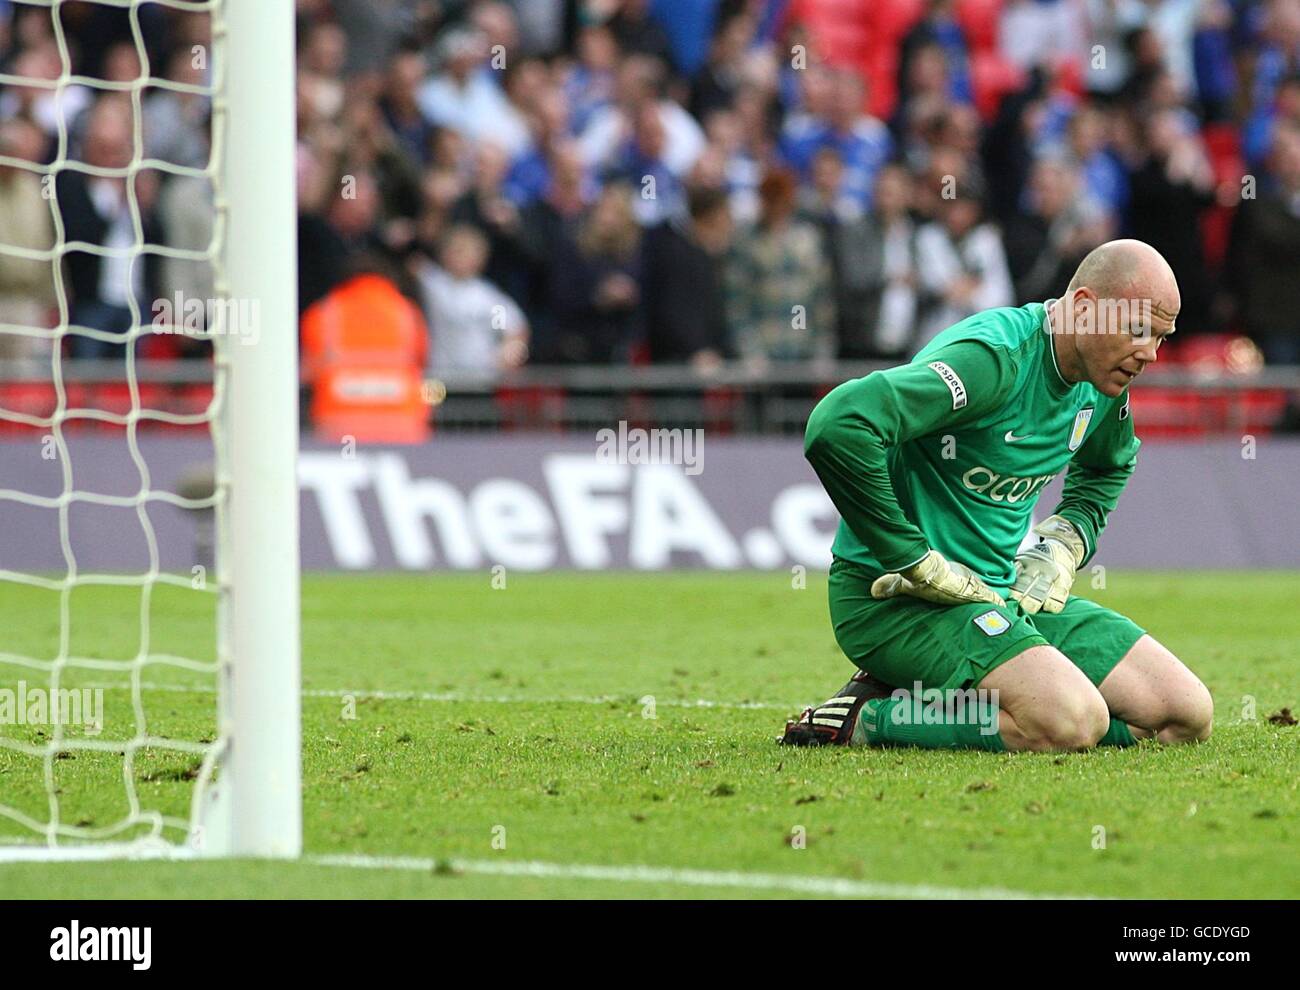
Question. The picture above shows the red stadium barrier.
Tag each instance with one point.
(524, 408)
(28, 399)
(40, 399)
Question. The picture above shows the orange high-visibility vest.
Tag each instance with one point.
(363, 353)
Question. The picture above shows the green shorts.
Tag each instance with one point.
(904, 640)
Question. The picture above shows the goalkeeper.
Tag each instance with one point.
(935, 468)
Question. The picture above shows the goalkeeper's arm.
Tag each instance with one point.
(853, 427)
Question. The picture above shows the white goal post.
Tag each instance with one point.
(260, 539)
(247, 794)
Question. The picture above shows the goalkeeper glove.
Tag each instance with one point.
(936, 579)
(1045, 572)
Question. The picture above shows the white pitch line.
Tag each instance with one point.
(16, 851)
(456, 697)
(793, 884)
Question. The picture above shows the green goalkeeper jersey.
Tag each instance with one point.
(951, 451)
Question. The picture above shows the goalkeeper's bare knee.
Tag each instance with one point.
(1190, 718)
(1047, 703)
(1155, 693)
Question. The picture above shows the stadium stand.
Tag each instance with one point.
(574, 136)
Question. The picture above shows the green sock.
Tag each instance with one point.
(905, 722)
(1119, 734)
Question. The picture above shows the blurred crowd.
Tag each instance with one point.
(486, 183)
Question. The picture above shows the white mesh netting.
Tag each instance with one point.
(121, 780)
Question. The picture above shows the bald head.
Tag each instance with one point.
(1118, 309)
(1129, 269)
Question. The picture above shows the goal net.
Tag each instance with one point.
(149, 698)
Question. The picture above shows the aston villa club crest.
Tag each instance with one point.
(1080, 429)
(993, 622)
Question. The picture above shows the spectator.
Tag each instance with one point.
(715, 86)
(473, 325)
(363, 354)
(485, 207)
(464, 97)
(744, 137)
(1257, 133)
(637, 32)
(1107, 27)
(536, 107)
(550, 220)
(186, 211)
(589, 84)
(954, 135)
(919, 125)
(1172, 187)
(778, 283)
(862, 142)
(373, 149)
(98, 210)
(823, 201)
(642, 161)
(44, 106)
(374, 30)
(1036, 33)
(401, 106)
(925, 79)
(874, 261)
(1145, 55)
(1174, 23)
(808, 113)
(1160, 95)
(353, 215)
(1216, 74)
(937, 35)
(541, 25)
(1278, 54)
(321, 57)
(1105, 180)
(548, 121)
(322, 253)
(497, 23)
(1262, 259)
(936, 183)
(175, 124)
(684, 283)
(26, 285)
(525, 81)
(962, 264)
(1006, 156)
(614, 128)
(958, 127)
(1062, 224)
(122, 63)
(596, 282)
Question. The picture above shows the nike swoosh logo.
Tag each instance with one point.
(1014, 439)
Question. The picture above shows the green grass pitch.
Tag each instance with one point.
(516, 717)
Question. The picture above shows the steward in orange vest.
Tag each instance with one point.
(363, 353)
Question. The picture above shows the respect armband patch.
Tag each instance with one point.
(953, 380)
